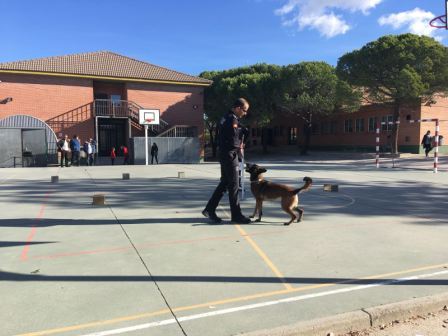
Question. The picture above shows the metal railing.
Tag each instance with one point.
(125, 108)
(180, 131)
(117, 108)
(70, 118)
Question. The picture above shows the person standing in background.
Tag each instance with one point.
(125, 152)
(75, 146)
(64, 147)
(113, 155)
(154, 153)
(426, 142)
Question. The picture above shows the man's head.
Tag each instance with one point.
(240, 107)
(428, 132)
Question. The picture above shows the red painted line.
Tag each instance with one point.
(24, 255)
(148, 245)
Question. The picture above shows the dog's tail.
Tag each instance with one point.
(308, 182)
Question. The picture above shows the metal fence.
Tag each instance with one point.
(171, 150)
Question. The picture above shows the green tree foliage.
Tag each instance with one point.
(398, 69)
(256, 83)
(313, 88)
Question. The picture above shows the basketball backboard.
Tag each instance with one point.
(149, 117)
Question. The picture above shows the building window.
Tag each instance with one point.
(333, 127)
(254, 130)
(372, 124)
(292, 135)
(359, 126)
(325, 127)
(348, 126)
(387, 120)
(315, 128)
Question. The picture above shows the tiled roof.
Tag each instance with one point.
(102, 64)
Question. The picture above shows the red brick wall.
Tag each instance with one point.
(46, 97)
(178, 105)
(438, 110)
(409, 134)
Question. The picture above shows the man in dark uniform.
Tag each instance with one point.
(231, 142)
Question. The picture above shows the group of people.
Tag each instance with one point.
(73, 154)
(124, 151)
(71, 148)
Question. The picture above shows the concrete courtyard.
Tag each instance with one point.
(148, 263)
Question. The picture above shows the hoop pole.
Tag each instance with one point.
(377, 156)
(146, 144)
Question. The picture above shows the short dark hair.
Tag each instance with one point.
(240, 102)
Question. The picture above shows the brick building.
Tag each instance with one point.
(356, 131)
(98, 95)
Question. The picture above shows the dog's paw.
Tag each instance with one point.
(286, 224)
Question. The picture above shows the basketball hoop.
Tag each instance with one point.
(149, 117)
(439, 22)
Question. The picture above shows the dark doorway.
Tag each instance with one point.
(111, 133)
(34, 147)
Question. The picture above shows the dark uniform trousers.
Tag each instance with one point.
(230, 182)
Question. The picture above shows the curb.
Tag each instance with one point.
(359, 319)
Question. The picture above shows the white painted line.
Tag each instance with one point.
(262, 304)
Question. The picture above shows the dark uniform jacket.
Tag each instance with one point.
(231, 136)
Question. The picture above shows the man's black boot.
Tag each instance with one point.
(241, 220)
(212, 216)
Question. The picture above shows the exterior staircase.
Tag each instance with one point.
(117, 108)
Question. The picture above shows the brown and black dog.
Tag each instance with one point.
(265, 190)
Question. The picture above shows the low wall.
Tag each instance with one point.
(171, 150)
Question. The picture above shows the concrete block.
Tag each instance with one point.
(99, 199)
(126, 176)
(331, 187)
(54, 179)
(181, 174)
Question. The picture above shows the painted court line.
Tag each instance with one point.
(147, 245)
(24, 255)
(262, 304)
(225, 301)
(264, 257)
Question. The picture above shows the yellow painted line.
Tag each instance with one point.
(263, 256)
(56, 74)
(221, 302)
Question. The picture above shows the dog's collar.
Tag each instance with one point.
(257, 181)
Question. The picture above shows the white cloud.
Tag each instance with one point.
(319, 15)
(416, 21)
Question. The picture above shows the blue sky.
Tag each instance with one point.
(192, 36)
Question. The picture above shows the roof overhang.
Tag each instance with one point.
(137, 80)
